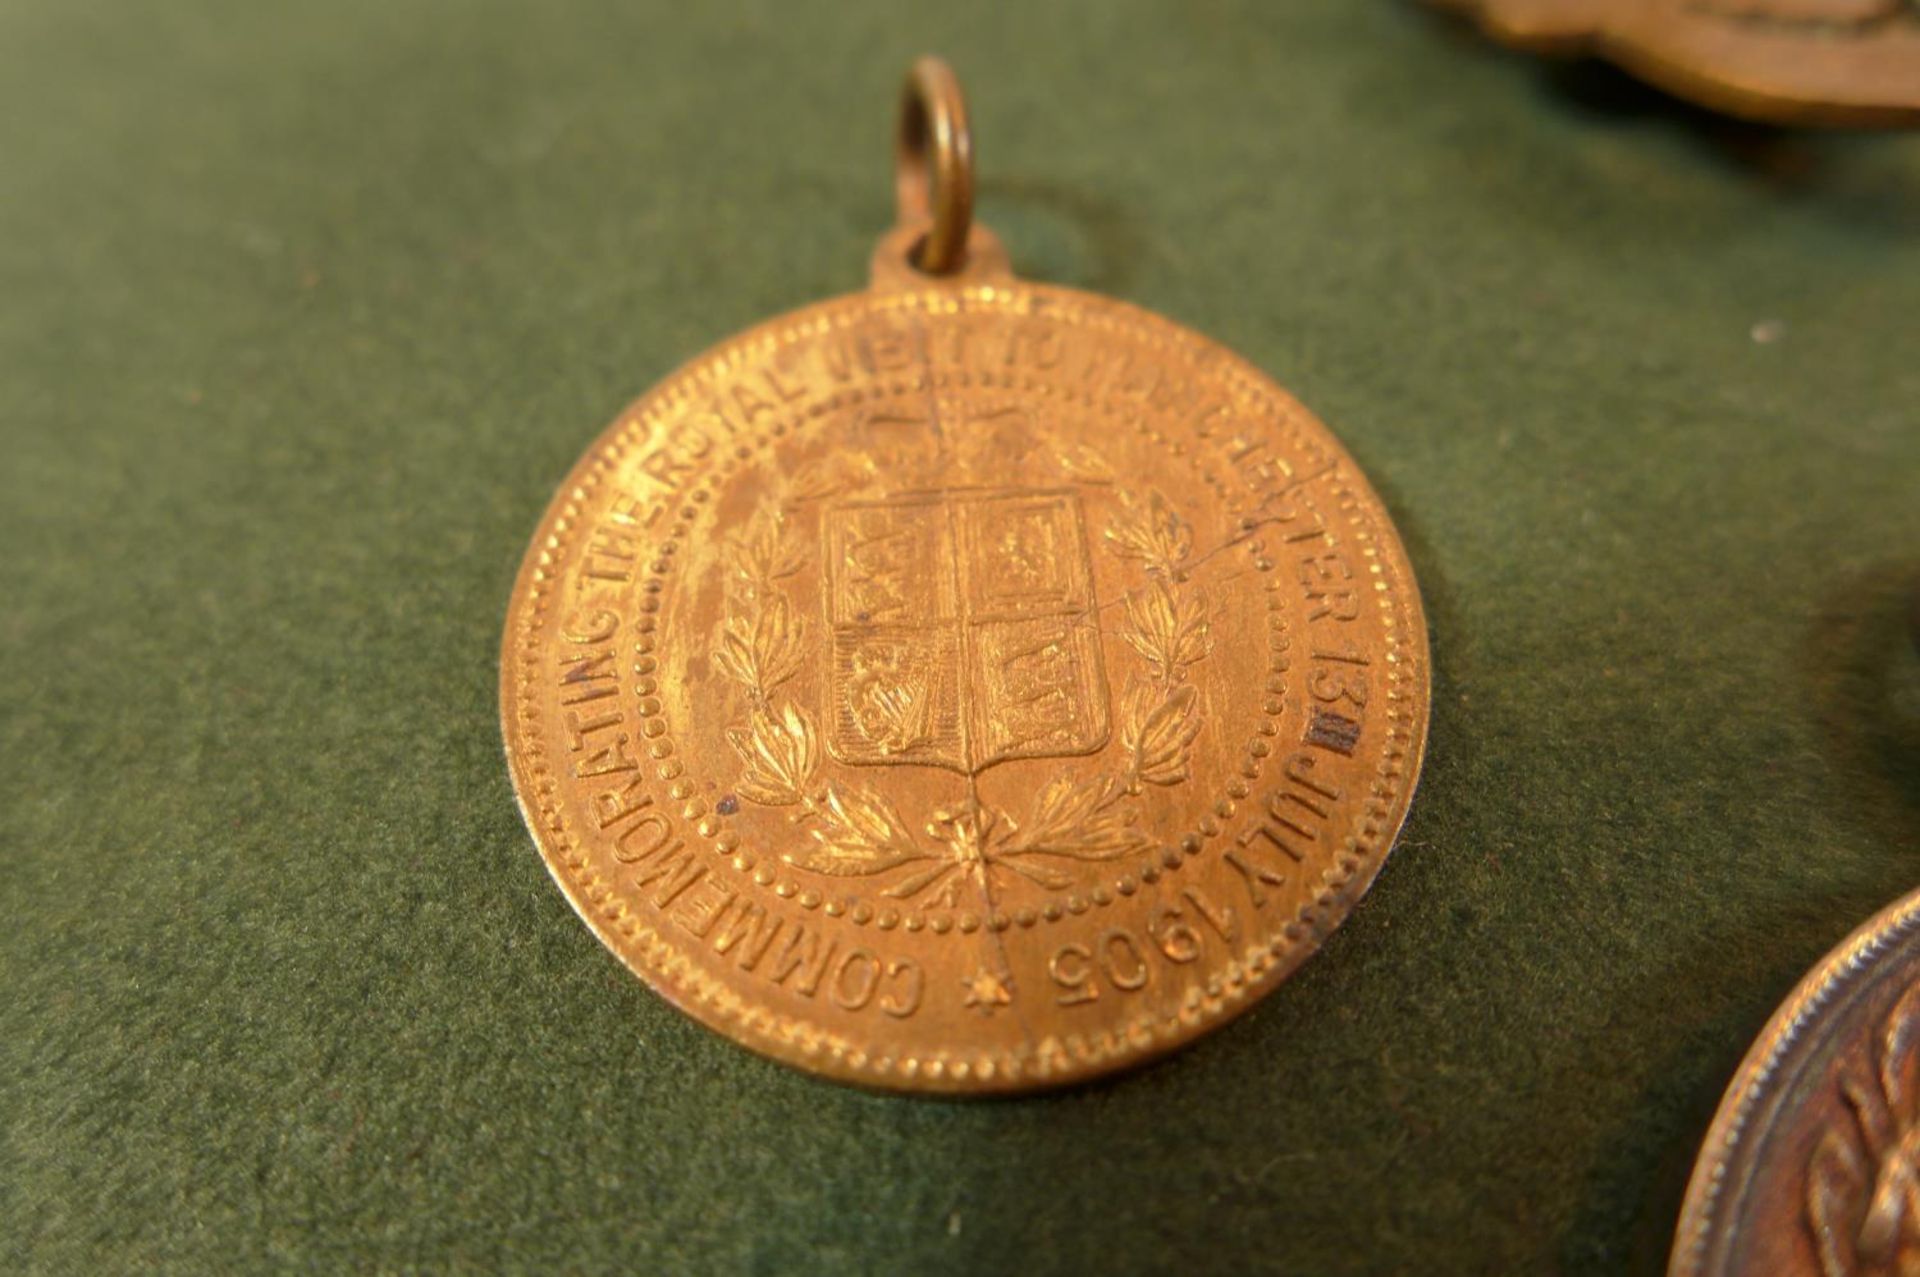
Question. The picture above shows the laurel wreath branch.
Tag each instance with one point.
(857, 832)
(1863, 1181)
(1166, 623)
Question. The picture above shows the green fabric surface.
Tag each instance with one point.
(304, 310)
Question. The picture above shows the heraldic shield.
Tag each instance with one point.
(965, 629)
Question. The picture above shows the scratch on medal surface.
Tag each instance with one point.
(998, 938)
(1248, 526)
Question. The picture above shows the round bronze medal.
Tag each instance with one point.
(1833, 63)
(966, 685)
(1810, 1165)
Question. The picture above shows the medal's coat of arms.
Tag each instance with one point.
(965, 629)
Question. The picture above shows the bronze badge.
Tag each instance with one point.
(1827, 62)
(1811, 1165)
(967, 684)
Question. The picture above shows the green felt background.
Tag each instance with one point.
(305, 309)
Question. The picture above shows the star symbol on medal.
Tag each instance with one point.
(986, 992)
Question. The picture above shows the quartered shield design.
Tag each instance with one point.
(965, 629)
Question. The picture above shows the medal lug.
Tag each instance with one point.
(893, 270)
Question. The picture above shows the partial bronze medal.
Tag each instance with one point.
(964, 685)
(1825, 62)
(1812, 1165)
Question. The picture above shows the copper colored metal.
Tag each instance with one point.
(1812, 1165)
(1817, 62)
(965, 685)
(933, 165)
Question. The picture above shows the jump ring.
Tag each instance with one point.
(933, 165)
